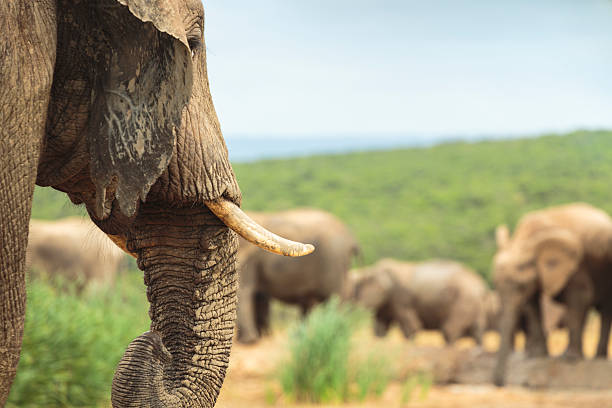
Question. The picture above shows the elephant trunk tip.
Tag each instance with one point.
(138, 380)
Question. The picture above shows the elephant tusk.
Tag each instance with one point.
(243, 225)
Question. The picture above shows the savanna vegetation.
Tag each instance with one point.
(72, 344)
(412, 204)
(323, 365)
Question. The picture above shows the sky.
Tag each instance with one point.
(338, 67)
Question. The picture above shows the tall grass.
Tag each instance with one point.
(320, 367)
(72, 344)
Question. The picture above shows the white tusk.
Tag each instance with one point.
(243, 225)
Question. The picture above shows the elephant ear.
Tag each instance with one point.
(502, 236)
(144, 82)
(558, 255)
(164, 14)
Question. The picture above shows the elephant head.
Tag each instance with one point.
(131, 133)
(371, 289)
(537, 262)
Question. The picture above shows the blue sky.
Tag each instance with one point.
(288, 67)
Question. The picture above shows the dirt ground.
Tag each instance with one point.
(250, 381)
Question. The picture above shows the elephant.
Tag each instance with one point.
(437, 295)
(75, 249)
(109, 102)
(561, 254)
(304, 281)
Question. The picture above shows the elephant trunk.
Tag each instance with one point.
(188, 259)
(507, 328)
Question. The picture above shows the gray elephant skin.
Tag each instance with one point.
(73, 249)
(304, 281)
(562, 254)
(436, 295)
(109, 102)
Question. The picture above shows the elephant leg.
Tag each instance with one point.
(262, 313)
(16, 191)
(408, 321)
(26, 73)
(246, 318)
(576, 318)
(381, 325)
(454, 327)
(604, 334)
(307, 306)
(535, 338)
(477, 332)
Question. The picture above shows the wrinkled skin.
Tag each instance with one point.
(111, 104)
(434, 295)
(560, 254)
(303, 281)
(74, 249)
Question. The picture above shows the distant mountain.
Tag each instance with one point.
(248, 148)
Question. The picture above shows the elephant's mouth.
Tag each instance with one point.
(238, 221)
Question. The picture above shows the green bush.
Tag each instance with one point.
(72, 344)
(320, 368)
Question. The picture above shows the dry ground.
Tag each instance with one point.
(250, 380)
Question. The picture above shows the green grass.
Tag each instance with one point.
(72, 344)
(50, 204)
(320, 367)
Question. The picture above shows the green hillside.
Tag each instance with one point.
(414, 204)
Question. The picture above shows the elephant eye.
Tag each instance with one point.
(552, 263)
(526, 265)
(195, 44)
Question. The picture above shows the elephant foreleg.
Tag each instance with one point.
(408, 321)
(535, 341)
(381, 325)
(578, 298)
(246, 319)
(604, 333)
(26, 72)
(460, 321)
(262, 313)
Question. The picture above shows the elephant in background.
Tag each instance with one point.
(561, 254)
(75, 249)
(304, 281)
(109, 102)
(437, 295)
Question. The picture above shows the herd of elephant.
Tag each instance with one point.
(109, 102)
(548, 276)
(554, 269)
